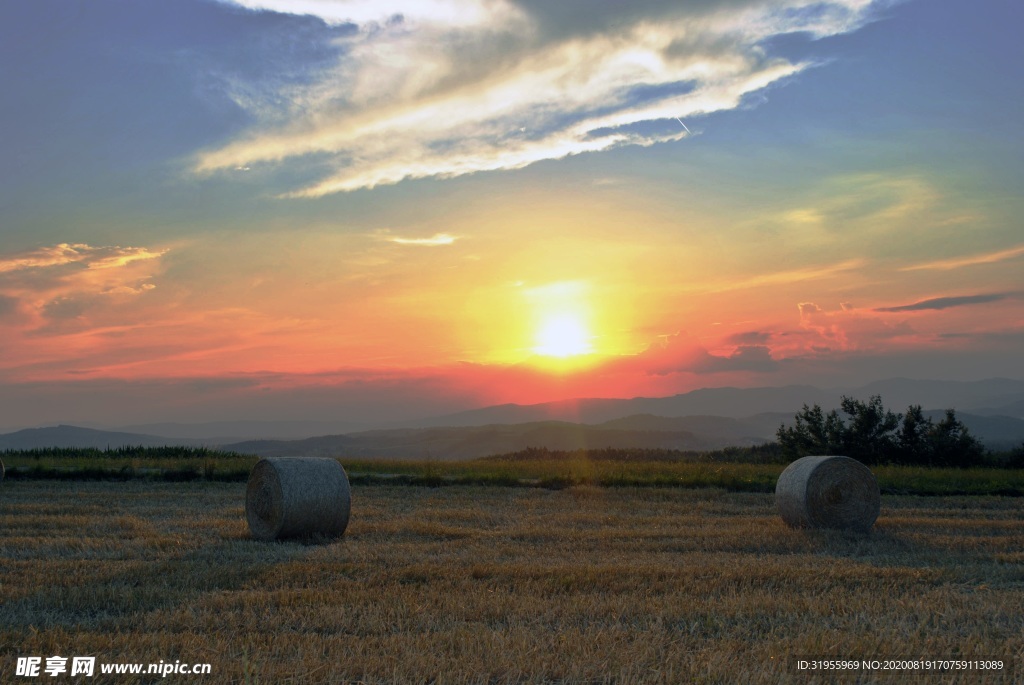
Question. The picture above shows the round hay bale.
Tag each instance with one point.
(289, 497)
(828, 492)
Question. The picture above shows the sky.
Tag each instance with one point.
(364, 211)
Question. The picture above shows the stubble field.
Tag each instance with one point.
(467, 584)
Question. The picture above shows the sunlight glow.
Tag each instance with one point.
(562, 335)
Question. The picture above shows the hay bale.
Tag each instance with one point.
(289, 497)
(828, 492)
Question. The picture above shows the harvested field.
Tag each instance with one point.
(505, 585)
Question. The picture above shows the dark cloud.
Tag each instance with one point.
(756, 358)
(581, 17)
(749, 338)
(8, 307)
(945, 302)
(63, 308)
(681, 353)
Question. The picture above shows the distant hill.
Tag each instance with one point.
(74, 436)
(992, 397)
(751, 429)
(469, 442)
(725, 402)
(998, 396)
(702, 419)
(237, 431)
(1001, 396)
(1014, 409)
(997, 432)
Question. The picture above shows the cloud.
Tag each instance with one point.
(122, 256)
(445, 12)
(442, 89)
(945, 302)
(854, 211)
(749, 338)
(847, 328)
(808, 309)
(64, 308)
(77, 253)
(744, 358)
(43, 257)
(8, 307)
(960, 262)
(681, 353)
(432, 241)
(58, 284)
(809, 273)
(128, 289)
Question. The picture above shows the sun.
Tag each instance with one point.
(562, 335)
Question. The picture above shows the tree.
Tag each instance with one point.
(874, 435)
(953, 445)
(913, 445)
(869, 436)
(812, 433)
(1016, 458)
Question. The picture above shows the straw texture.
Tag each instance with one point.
(289, 497)
(828, 492)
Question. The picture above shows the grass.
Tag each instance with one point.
(469, 584)
(128, 463)
(539, 468)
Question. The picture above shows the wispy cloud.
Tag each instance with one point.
(447, 12)
(441, 89)
(432, 241)
(945, 302)
(77, 253)
(959, 262)
(60, 283)
(791, 276)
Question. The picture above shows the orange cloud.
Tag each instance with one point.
(848, 328)
(50, 287)
(77, 253)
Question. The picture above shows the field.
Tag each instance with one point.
(733, 469)
(475, 584)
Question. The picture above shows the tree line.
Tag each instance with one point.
(872, 434)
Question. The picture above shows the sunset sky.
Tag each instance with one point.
(365, 210)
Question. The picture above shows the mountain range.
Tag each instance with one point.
(709, 418)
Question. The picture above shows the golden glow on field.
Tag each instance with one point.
(562, 335)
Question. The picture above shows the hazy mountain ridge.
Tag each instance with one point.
(702, 419)
(469, 442)
(722, 402)
(643, 431)
(997, 396)
(76, 436)
(237, 431)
